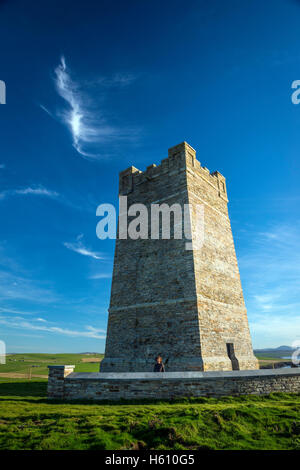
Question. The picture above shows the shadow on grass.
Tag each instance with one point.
(23, 389)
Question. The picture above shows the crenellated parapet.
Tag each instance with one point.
(180, 158)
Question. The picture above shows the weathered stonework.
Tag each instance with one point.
(56, 378)
(168, 385)
(187, 306)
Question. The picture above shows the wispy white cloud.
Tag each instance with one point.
(15, 286)
(46, 110)
(86, 204)
(100, 276)
(87, 332)
(270, 272)
(14, 311)
(14, 348)
(29, 191)
(86, 122)
(266, 301)
(117, 80)
(37, 191)
(79, 247)
(276, 329)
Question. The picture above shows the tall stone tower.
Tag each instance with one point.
(186, 305)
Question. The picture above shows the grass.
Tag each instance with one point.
(22, 363)
(29, 421)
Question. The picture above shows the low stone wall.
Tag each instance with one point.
(65, 384)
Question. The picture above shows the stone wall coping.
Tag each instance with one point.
(181, 375)
(61, 367)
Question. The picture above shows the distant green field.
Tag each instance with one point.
(22, 363)
(29, 421)
(276, 355)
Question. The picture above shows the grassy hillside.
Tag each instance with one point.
(22, 363)
(272, 354)
(29, 421)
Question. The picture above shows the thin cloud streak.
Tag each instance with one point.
(117, 80)
(81, 205)
(14, 286)
(13, 311)
(46, 110)
(270, 272)
(88, 332)
(100, 276)
(276, 329)
(78, 247)
(29, 191)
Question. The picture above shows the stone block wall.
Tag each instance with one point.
(56, 383)
(169, 385)
(153, 295)
(220, 303)
(185, 305)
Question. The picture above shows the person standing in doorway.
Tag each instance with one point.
(159, 365)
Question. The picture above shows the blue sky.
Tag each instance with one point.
(94, 87)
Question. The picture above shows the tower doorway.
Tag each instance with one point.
(231, 355)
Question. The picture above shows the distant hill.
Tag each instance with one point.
(89, 353)
(280, 348)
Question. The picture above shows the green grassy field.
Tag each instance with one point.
(29, 421)
(22, 363)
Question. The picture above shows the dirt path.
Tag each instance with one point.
(91, 359)
(17, 375)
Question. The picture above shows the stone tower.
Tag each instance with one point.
(186, 305)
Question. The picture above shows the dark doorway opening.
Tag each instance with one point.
(231, 355)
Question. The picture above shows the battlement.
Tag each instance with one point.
(180, 157)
